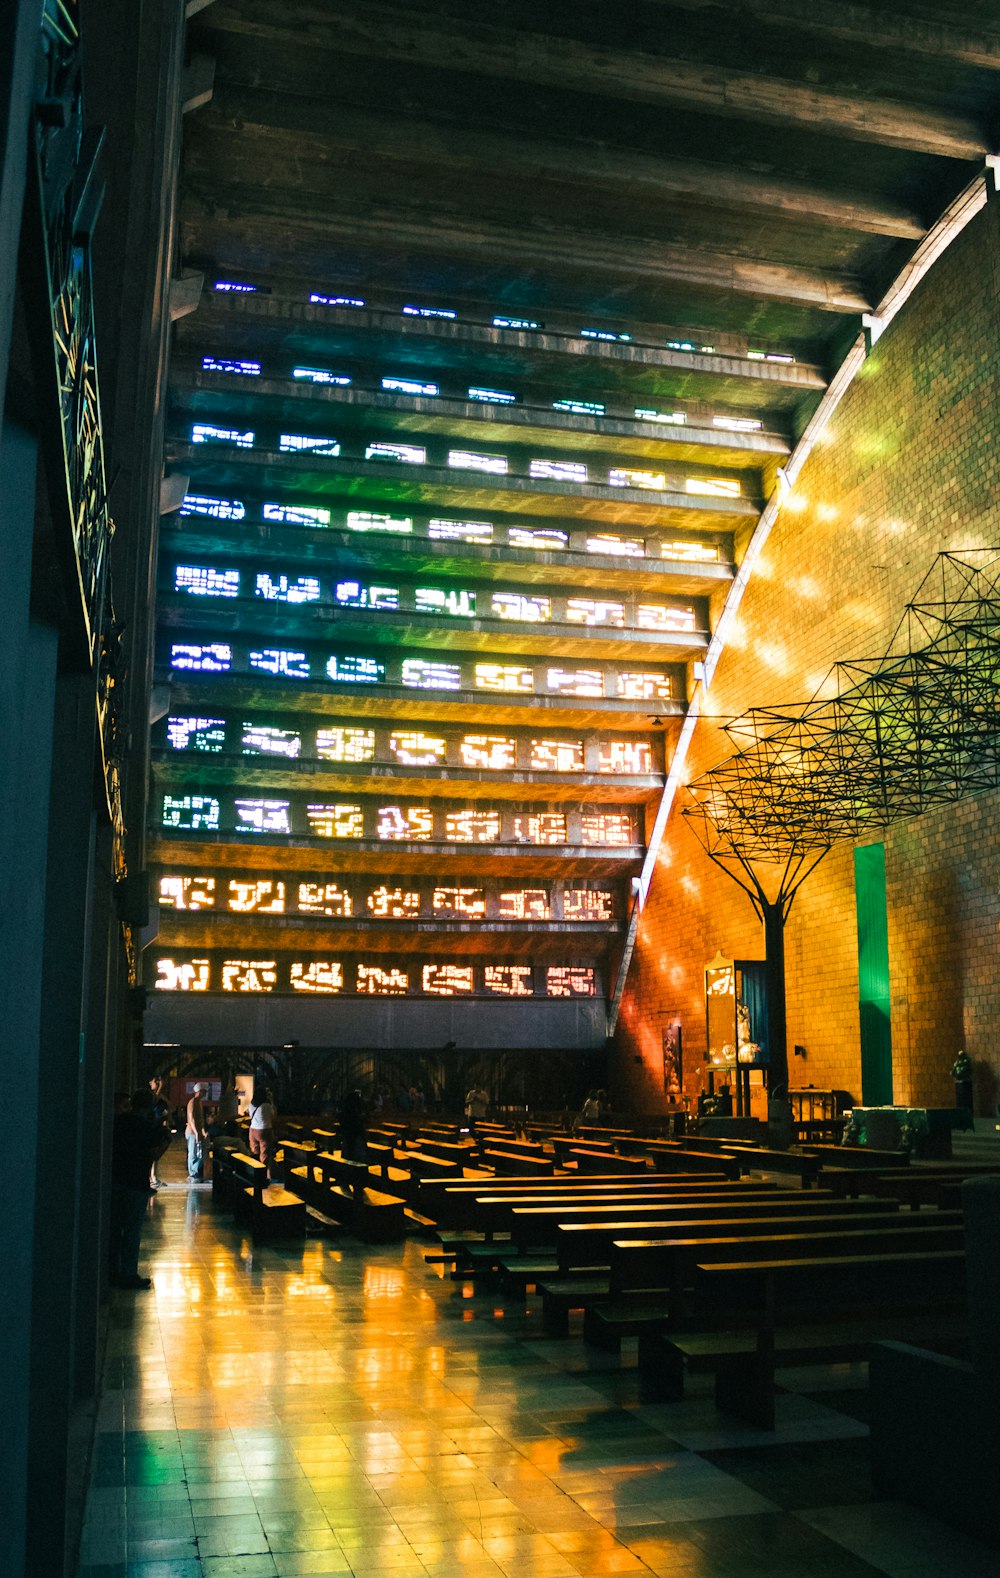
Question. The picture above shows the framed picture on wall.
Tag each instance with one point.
(673, 1060)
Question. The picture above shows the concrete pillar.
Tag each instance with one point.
(981, 1209)
(61, 1060)
(27, 683)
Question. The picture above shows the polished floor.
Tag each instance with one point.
(336, 1409)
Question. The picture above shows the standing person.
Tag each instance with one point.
(590, 1112)
(196, 1133)
(161, 1122)
(263, 1118)
(134, 1140)
(228, 1109)
(477, 1104)
(354, 1135)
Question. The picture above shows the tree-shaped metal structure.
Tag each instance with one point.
(884, 739)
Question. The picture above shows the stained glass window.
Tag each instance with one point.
(415, 749)
(414, 821)
(504, 676)
(570, 980)
(263, 816)
(289, 442)
(369, 520)
(280, 660)
(469, 460)
(588, 904)
(467, 903)
(558, 470)
(519, 605)
(216, 509)
(455, 602)
(324, 898)
(541, 827)
(606, 827)
(374, 981)
(262, 739)
(460, 531)
(336, 821)
(249, 975)
(199, 734)
(644, 687)
(525, 904)
(557, 756)
(493, 752)
(345, 744)
(211, 657)
(353, 594)
(423, 675)
(187, 893)
(625, 756)
(355, 670)
(410, 454)
(192, 812)
(575, 681)
(182, 975)
(472, 827)
(253, 896)
(509, 980)
(547, 538)
(446, 980)
(394, 903)
(594, 611)
(297, 514)
(325, 976)
(287, 589)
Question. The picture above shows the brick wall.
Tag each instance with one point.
(908, 467)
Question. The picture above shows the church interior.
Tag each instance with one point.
(501, 645)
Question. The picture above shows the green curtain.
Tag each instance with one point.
(873, 976)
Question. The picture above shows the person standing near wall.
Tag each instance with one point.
(196, 1133)
(161, 1122)
(263, 1118)
(134, 1140)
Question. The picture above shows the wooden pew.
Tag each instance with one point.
(461, 1152)
(271, 1211)
(526, 1216)
(857, 1156)
(524, 1226)
(671, 1156)
(588, 1243)
(507, 1162)
(922, 1184)
(345, 1193)
(452, 1201)
(822, 1309)
(583, 1276)
(587, 1160)
(649, 1286)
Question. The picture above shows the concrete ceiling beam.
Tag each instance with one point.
(278, 225)
(402, 34)
(869, 26)
(444, 145)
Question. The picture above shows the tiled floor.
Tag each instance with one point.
(335, 1409)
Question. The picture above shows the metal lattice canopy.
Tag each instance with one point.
(895, 736)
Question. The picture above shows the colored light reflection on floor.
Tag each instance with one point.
(331, 1408)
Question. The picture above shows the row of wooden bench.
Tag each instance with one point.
(729, 1277)
(240, 1184)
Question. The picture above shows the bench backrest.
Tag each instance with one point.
(671, 1262)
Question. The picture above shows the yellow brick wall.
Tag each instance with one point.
(907, 468)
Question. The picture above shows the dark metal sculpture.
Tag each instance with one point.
(885, 739)
(64, 199)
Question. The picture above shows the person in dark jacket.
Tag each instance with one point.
(135, 1137)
